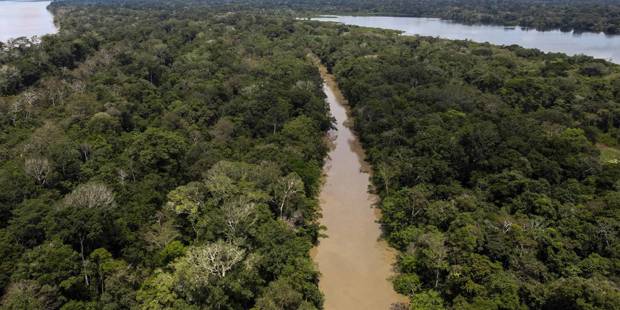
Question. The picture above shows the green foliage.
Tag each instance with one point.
(427, 300)
(280, 295)
(579, 293)
(27, 295)
(609, 154)
(167, 155)
(407, 284)
(49, 264)
(491, 188)
(157, 293)
(169, 253)
(157, 150)
(156, 159)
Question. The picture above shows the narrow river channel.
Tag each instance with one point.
(355, 264)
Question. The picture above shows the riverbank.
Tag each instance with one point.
(355, 263)
(25, 19)
(597, 45)
(476, 144)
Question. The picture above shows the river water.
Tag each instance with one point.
(355, 264)
(597, 45)
(25, 19)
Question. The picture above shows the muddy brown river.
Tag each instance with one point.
(355, 264)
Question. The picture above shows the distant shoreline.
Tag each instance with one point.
(26, 19)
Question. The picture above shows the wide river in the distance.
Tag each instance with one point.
(597, 45)
(25, 19)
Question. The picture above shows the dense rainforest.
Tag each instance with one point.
(167, 155)
(486, 161)
(566, 15)
(155, 159)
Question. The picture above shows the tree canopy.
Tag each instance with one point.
(157, 159)
(488, 164)
(167, 155)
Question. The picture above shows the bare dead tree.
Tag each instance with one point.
(122, 176)
(203, 264)
(28, 99)
(506, 226)
(85, 150)
(15, 110)
(160, 233)
(386, 172)
(90, 195)
(238, 213)
(286, 189)
(38, 168)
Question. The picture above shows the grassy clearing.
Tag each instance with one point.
(609, 154)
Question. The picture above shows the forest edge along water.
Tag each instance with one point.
(25, 19)
(355, 263)
(597, 45)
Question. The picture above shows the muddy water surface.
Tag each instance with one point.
(355, 264)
